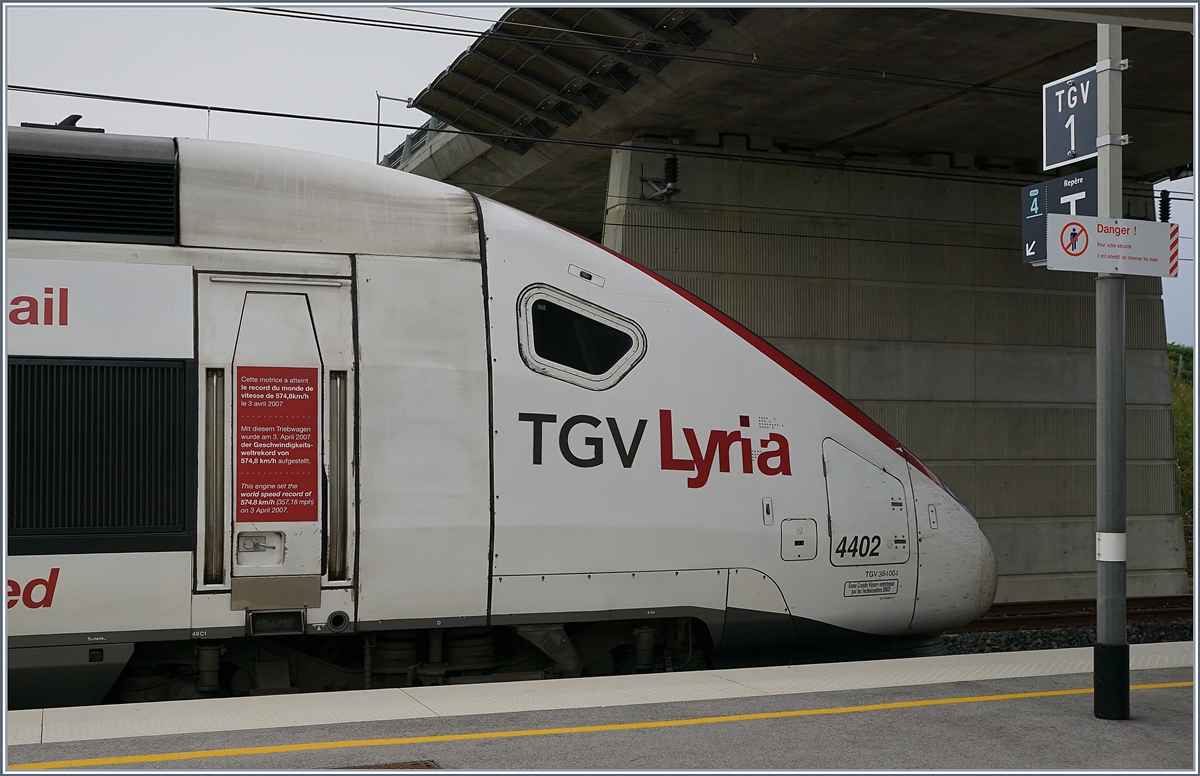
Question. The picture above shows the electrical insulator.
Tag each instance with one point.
(1164, 206)
(671, 170)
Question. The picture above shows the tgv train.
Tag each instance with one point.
(281, 422)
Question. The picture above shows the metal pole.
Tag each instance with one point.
(379, 98)
(1111, 655)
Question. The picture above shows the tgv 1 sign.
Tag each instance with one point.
(1088, 244)
(1069, 119)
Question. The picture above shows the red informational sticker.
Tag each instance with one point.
(276, 443)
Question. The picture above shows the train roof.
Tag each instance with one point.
(219, 194)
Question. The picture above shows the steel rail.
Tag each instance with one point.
(1060, 614)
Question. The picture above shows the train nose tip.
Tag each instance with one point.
(958, 574)
(988, 576)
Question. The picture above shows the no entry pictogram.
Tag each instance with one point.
(1073, 238)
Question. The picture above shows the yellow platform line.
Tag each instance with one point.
(371, 742)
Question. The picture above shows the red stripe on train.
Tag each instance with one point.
(839, 402)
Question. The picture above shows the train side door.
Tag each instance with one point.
(871, 531)
(277, 403)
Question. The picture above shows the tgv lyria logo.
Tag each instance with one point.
(722, 449)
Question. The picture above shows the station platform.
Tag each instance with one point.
(990, 711)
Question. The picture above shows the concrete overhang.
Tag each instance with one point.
(1178, 18)
(956, 91)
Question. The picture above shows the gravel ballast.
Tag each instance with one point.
(1061, 638)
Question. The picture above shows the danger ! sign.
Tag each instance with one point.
(1089, 244)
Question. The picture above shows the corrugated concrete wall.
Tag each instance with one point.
(907, 295)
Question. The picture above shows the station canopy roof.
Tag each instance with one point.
(890, 84)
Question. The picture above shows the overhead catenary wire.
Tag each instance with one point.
(751, 60)
(794, 235)
(441, 13)
(683, 203)
(754, 58)
(747, 60)
(664, 151)
(547, 28)
(767, 211)
(773, 160)
(695, 153)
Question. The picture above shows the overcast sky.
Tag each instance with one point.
(242, 60)
(216, 57)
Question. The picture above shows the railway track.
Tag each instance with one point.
(1059, 614)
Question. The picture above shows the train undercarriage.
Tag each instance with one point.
(179, 670)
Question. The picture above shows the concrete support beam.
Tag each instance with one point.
(1177, 19)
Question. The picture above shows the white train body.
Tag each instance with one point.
(421, 410)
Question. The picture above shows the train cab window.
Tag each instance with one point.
(577, 341)
(571, 339)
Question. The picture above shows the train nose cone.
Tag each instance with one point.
(988, 576)
(957, 579)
